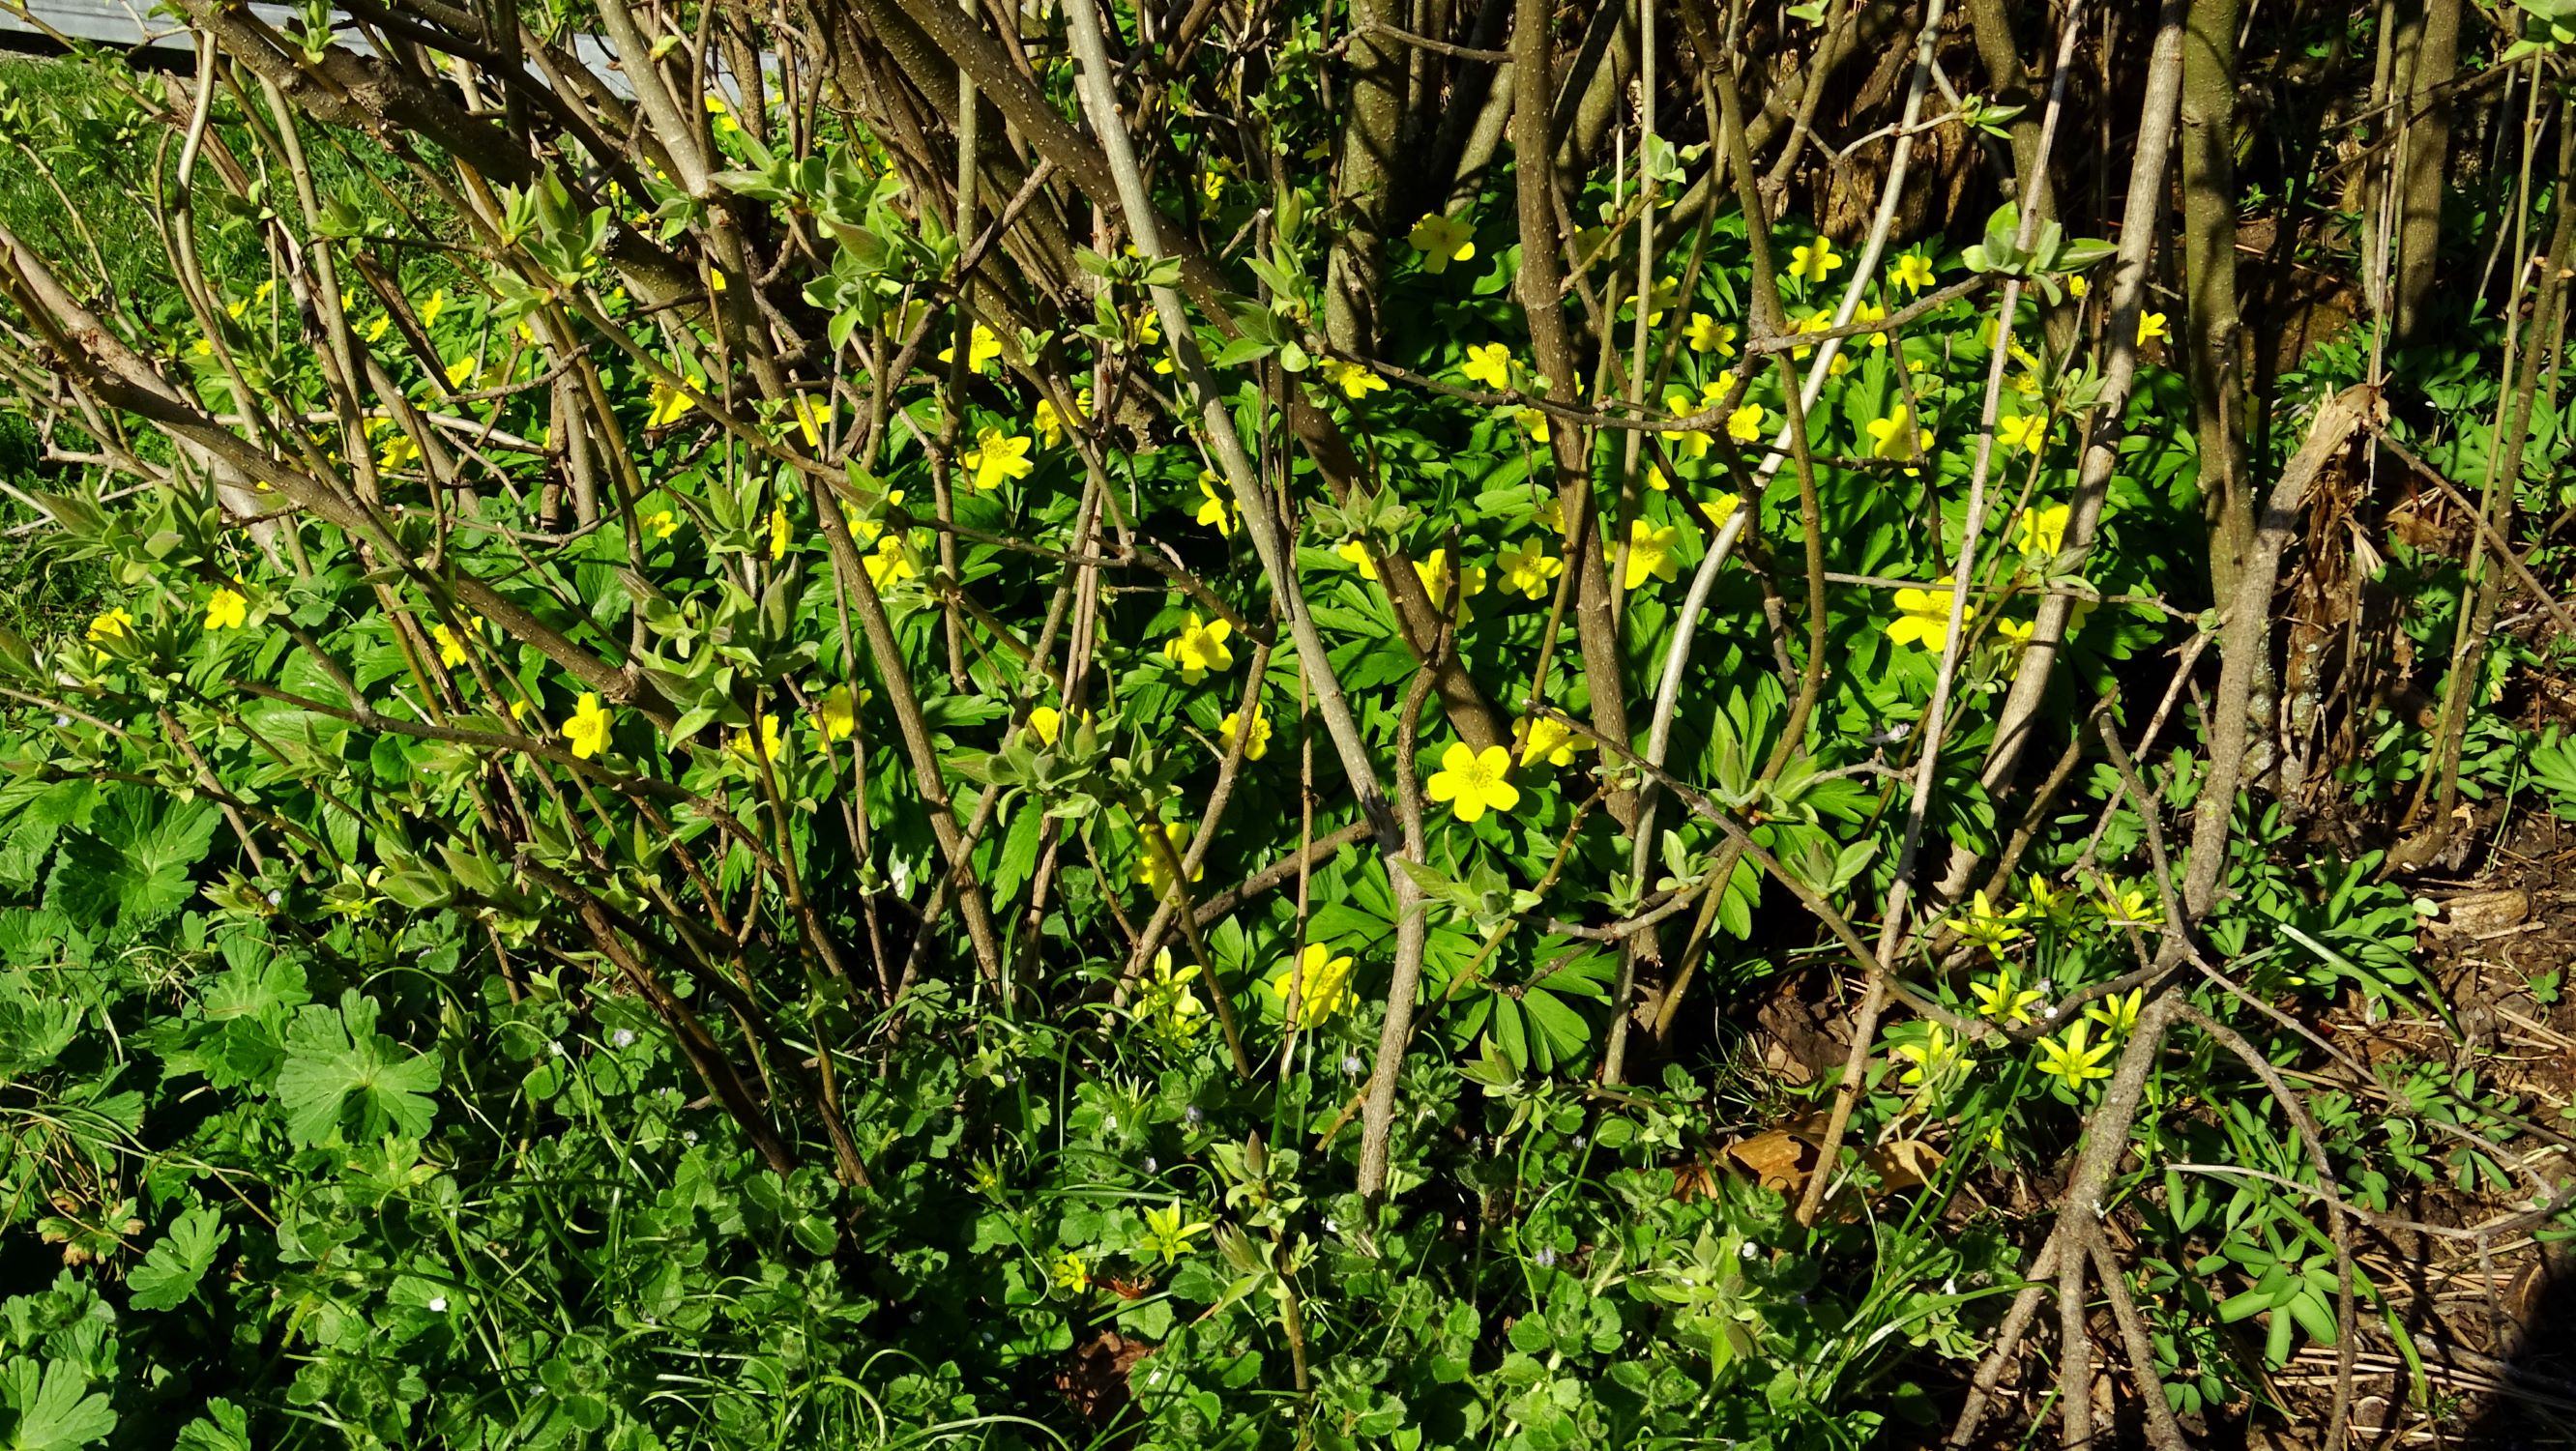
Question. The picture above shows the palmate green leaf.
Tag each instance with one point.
(172, 1269)
(341, 1071)
(131, 868)
(56, 1411)
(223, 1427)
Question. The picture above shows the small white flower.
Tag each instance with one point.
(438, 1304)
(623, 1038)
(556, 1049)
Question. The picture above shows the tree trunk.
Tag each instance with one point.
(2428, 57)
(2211, 330)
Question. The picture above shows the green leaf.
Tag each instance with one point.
(58, 1413)
(223, 1427)
(341, 1071)
(172, 1269)
(131, 868)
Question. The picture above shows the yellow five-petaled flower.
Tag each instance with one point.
(1216, 510)
(1442, 240)
(1544, 739)
(227, 609)
(1320, 983)
(1474, 782)
(1151, 873)
(1527, 567)
(1816, 263)
(837, 713)
(1489, 364)
(996, 457)
(1650, 552)
(1355, 380)
(1923, 618)
(588, 729)
(1200, 647)
(1706, 334)
(1255, 745)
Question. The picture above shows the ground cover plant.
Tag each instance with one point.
(1290, 724)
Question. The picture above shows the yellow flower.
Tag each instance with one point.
(2005, 1000)
(1527, 567)
(1923, 618)
(1897, 437)
(770, 741)
(1150, 872)
(778, 531)
(1650, 552)
(997, 456)
(462, 369)
(2029, 430)
(2043, 530)
(2047, 903)
(1532, 422)
(1744, 425)
(587, 731)
(2078, 286)
(1050, 424)
(1255, 746)
(1216, 510)
(1721, 508)
(837, 713)
(1688, 443)
(2118, 1013)
(1167, 1008)
(1070, 1274)
(1913, 271)
(891, 562)
(1212, 182)
(2017, 631)
(813, 418)
(721, 116)
(377, 325)
(663, 523)
(399, 452)
(116, 624)
(1932, 1055)
(981, 348)
(1357, 553)
(1199, 648)
(1045, 722)
(1489, 364)
(1985, 925)
(1354, 380)
(451, 648)
(1438, 580)
(1169, 1236)
(1542, 738)
(430, 310)
(2070, 1061)
(2151, 326)
(1871, 312)
(669, 404)
(228, 609)
(868, 529)
(2128, 908)
(1706, 334)
(1816, 263)
(1474, 782)
(1322, 983)
(1441, 241)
